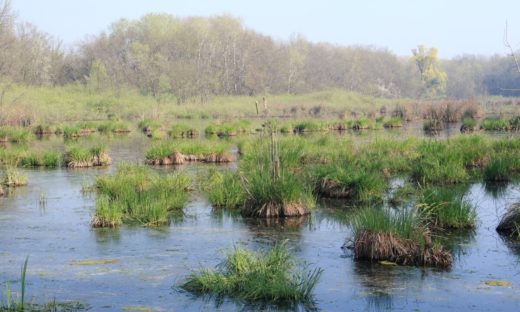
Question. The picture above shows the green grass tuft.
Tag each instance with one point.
(271, 275)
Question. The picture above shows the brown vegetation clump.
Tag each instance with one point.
(402, 112)
(332, 189)
(472, 109)
(510, 222)
(275, 210)
(100, 222)
(387, 246)
(219, 158)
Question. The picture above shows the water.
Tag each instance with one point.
(48, 220)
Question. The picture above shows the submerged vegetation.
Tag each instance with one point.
(272, 276)
(136, 194)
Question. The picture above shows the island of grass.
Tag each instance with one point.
(227, 129)
(14, 134)
(77, 156)
(265, 276)
(177, 153)
(400, 237)
(138, 195)
(266, 185)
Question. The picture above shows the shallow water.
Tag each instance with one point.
(48, 220)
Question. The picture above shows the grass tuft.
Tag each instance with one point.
(271, 275)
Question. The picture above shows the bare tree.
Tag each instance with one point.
(511, 49)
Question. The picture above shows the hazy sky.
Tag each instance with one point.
(453, 26)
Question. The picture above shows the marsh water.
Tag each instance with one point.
(138, 268)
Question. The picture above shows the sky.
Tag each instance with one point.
(455, 27)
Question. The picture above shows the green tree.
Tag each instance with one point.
(432, 78)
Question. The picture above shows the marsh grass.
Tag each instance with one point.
(12, 177)
(136, 194)
(15, 134)
(226, 129)
(80, 156)
(113, 126)
(182, 131)
(48, 159)
(178, 152)
(495, 124)
(469, 125)
(309, 126)
(224, 189)
(432, 125)
(504, 166)
(400, 237)
(446, 208)
(349, 181)
(273, 181)
(510, 223)
(19, 303)
(286, 196)
(271, 276)
(439, 163)
(393, 122)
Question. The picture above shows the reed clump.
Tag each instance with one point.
(14, 135)
(273, 181)
(48, 159)
(439, 163)
(469, 125)
(510, 223)
(224, 189)
(496, 124)
(227, 129)
(113, 126)
(177, 153)
(136, 194)
(182, 131)
(77, 156)
(400, 237)
(272, 276)
(348, 181)
(446, 208)
(12, 177)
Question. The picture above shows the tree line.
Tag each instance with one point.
(199, 57)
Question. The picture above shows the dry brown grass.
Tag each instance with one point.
(273, 210)
(510, 223)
